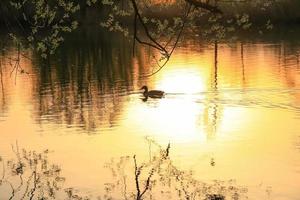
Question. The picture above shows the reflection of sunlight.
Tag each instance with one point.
(185, 79)
(177, 119)
(233, 117)
(178, 115)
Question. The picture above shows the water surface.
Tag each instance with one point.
(231, 111)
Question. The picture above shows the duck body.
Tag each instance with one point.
(152, 93)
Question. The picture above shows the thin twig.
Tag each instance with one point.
(155, 43)
(174, 46)
(12, 190)
(147, 186)
(148, 181)
(27, 185)
(135, 33)
(34, 185)
(137, 174)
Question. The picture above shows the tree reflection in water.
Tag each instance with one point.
(85, 84)
(30, 175)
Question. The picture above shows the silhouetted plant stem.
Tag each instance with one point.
(27, 185)
(137, 172)
(35, 179)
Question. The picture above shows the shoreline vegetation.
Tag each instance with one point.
(31, 175)
(282, 13)
(43, 26)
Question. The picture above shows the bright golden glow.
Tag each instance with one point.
(181, 79)
(243, 114)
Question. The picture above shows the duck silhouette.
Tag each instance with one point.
(152, 93)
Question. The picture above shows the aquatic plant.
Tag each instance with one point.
(159, 178)
(29, 175)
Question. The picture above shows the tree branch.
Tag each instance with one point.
(175, 44)
(155, 43)
(206, 6)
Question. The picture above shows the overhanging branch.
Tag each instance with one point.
(206, 6)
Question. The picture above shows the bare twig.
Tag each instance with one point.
(137, 174)
(35, 179)
(135, 33)
(147, 186)
(154, 43)
(16, 67)
(139, 195)
(27, 185)
(175, 44)
(12, 190)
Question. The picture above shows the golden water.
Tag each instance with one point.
(231, 112)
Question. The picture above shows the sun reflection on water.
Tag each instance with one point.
(240, 114)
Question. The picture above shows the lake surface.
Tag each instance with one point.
(231, 115)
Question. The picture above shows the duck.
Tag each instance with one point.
(152, 93)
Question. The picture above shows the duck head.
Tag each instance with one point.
(145, 88)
